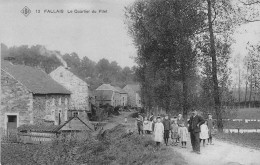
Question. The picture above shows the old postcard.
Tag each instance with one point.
(89, 82)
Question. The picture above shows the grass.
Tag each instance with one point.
(244, 139)
(248, 113)
(115, 146)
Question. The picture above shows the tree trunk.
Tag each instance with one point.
(246, 85)
(239, 89)
(214, 71)
(184, 89)
(250, 92)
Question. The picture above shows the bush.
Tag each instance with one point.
(115, 146)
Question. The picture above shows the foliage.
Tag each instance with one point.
(116, 147)
(162, 32)
(93, 73)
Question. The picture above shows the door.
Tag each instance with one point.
(11, 122)
(11, 127)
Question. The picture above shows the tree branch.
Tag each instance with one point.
(250, 3)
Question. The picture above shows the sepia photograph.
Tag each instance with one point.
(130, 82)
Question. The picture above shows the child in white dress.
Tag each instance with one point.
(183, 134)
(158, 132)
(204, 133)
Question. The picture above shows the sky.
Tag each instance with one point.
(95, 35)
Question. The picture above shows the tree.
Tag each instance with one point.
(162, 32)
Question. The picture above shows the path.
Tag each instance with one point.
(221, 153)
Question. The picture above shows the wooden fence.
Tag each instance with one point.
(35, 137)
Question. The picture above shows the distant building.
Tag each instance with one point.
(133, 92)
(107, 94)
(30, 96)
(79, 91)
(123, 96)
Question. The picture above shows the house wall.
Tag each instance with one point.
(138, 100)
(50, 105)
(16, 100)
(78, 88)
(116, 99)
(131, 99)
(123, 99)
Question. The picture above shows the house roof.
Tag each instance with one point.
(61, 69)
(35, 80)
(76, 117)
(107, 87)
(104, 95)
(120, 90)
(38, 128)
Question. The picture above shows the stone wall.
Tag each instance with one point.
(116, 99)
(131, 100)
(16, 99)
(78, 88)
(123, 97)
(48, 107)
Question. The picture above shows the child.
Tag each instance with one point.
(125, 119)
(204, 132)
(158, 132)
(174, 133)
(146, 125)
(167, 128)
(211, 124)
(140, 124)
(154, 121)
(183, 134)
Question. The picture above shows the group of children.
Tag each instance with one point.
(164, 128)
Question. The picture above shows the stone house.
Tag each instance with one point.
(123, 96)
(107, 94)
(133, 92)
(80, 98)
(30, 96)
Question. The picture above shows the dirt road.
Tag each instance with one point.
(221, 153)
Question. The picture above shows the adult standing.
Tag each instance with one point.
(167, 128)
(211, 125)
(194, 129)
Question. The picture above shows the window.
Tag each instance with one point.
(60, 101)
(139, 101)
(66, 101)
(12, 118)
